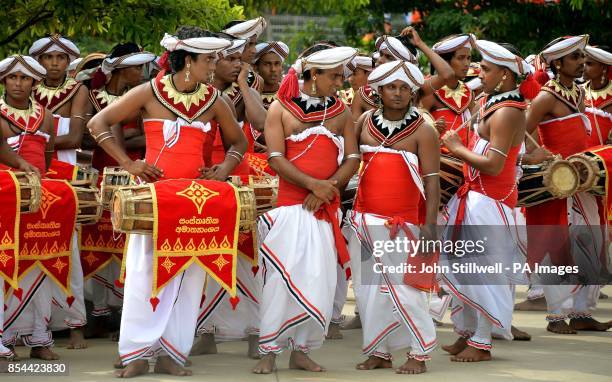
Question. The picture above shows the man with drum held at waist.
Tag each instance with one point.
(483, 206)
(557, 114)
(67, 100)
(9, 158)
(176, 109)
(28, 129)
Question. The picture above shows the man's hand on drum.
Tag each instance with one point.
(325, 189)
(312, 203)
(451, 140)
(538, 155)
(28, 168)
(217, 172)
(143, 170)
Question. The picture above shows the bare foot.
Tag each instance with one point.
(44, 353)
(412, 366)
(165, 365)
(118, 364)
(16, 357)
(374, 363)
(470, 354)
(535, 305)
(188, 363)
(457, 347)
(253, 351)
(590, 324)
(333, 332)
(77, 339)
(134, 369)
(205, 345)
(560, 327)
(267, 364)
(520, 335)
(354, 323)
(603, 296)
(300, 361)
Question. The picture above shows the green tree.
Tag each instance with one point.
(111, 21)
(527, 24)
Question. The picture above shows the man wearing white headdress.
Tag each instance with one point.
(389, 49)
(598, 93)
(218, 318)
(450, 100)
(235, 78)
(67, 100)
(27, 127)
(268, 63)
(357, 72)
(163, 327)
(312, 147)
(483, 208)
(118, 72)
(398, 193)
(559, 107)
(248, 81)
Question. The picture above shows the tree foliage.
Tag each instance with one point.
(527, 24)
(108, 21)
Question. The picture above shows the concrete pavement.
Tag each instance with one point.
(547, 357)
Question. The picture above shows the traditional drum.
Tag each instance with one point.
(451, 177)
(87, 176)
(113, 178)
(31, 192)
(132, 209)
(90, 205)
(546, 181)
(591, 172)
(266, 192)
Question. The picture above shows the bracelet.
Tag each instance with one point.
(430, 174)
(498, 151)
(353, 156)
(104, 139)
(49, 151)
(79, 117)
(233, 155)
(103, 135)
(275, 154)
(236, 153)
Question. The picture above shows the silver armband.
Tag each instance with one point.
(275, 154)
(430, 174)
(499, 152)
(353, 156)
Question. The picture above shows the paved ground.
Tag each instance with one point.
(548, 357)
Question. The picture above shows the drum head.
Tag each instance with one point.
(587, 171)
(115, 208)
(561, 178)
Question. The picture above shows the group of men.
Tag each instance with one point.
(218, 104)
